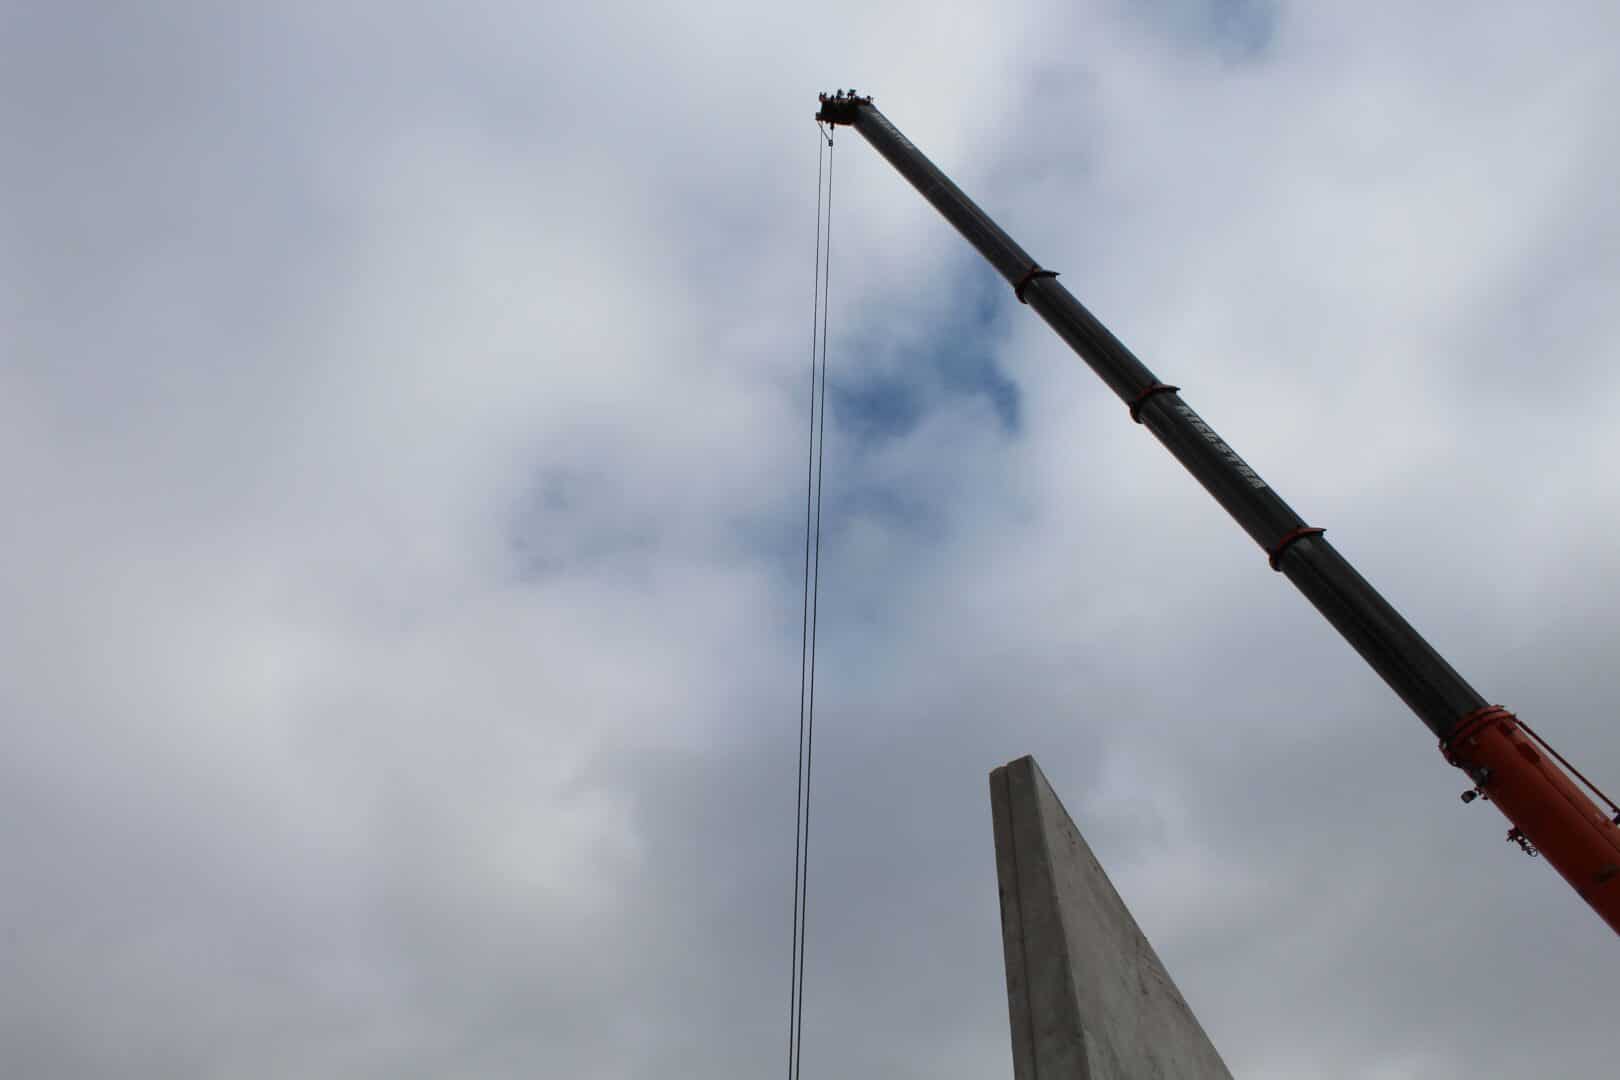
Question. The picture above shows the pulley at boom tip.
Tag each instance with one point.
(839, 107)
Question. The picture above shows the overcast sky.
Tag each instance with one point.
(402, 414)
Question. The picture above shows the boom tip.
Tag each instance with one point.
(840, 107)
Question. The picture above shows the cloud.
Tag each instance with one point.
(403, 410)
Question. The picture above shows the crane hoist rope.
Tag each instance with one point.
(814, 458)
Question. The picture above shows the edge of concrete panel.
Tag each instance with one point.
(1087, 996)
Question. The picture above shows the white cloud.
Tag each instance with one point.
(403, 416)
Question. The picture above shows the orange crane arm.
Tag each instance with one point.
(1507, 763)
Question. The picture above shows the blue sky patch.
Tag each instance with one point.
(1233, 29)
(894, 379)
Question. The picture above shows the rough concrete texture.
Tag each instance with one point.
(1087, 996)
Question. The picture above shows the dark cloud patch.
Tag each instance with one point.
(1235, 30)
(880, 408)
(924, 353)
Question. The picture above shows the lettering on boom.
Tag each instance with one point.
(1219, 444)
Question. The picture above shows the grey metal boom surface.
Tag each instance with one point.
(1396, 651)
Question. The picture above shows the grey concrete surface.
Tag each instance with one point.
(1087, 997)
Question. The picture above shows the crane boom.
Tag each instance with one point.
(1500, 755)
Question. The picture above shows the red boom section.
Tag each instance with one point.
(1549, 813)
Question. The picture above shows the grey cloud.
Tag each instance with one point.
(403, 414)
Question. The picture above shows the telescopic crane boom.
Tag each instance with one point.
(1505, 760)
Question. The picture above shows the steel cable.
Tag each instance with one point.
(811, 599)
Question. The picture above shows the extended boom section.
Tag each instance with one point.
(1549, 813)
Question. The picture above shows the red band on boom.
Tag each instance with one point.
(1142, 398)
(1030, 275)
(1282, 546)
